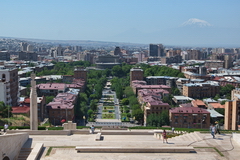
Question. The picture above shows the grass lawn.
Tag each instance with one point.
(108, 116)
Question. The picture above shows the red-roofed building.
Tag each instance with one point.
(21, 110)
(137, 85)
(153, 105)
(51, 89)
(41, 103)
(61, 108)
(215, 105)
(189, 117)
(198, 103)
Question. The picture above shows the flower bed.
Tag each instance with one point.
(108, 116)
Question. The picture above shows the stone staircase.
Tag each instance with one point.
(44, 121)
(187, 138)
(24, 153)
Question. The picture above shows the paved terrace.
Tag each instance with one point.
(203, 143)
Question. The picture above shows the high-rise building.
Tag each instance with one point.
(9, 85)
(231, 116)
(156, 50)
(30, 48)
(59, 50)
(228, 61)
(194, 54)
(117, 51)
(27, 56)
(24, 46)
(4, 55)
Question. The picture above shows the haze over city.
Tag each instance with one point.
(191, 23)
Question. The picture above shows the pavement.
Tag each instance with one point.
(204, 145)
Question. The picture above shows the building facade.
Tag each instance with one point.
(200, 90)
(9, 85)
(156, 50)
(136, 74)
(189, 117)
(232, 115)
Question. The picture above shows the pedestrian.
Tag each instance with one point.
(164, 136)
(173, 129)
(92, 129)
(5, 128)
(212, 130)
(217, 128)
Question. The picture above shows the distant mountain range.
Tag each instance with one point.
(194, 32)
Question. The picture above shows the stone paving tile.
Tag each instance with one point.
(223, 143)
(71, 154)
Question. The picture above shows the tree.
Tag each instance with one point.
(226, 90)
(158, 120)
(5, 110)
(138, 114)
(93, 105)
(125, 101)
(49, 99)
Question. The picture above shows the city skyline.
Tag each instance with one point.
(209, 23)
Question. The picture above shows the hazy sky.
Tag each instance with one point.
(105, 20)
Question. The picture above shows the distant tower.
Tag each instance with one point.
(117, 51)
(59, 50)
(156, 50)
(24, 46)
(30, 48)
(228, 61)
(33, 105)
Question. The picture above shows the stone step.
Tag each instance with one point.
(135, 149)
(24, 153)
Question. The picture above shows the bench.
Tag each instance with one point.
(102, 149)
(98, 137)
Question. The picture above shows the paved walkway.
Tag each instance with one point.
(229, 148)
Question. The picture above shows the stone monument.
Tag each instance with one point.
(33, 104)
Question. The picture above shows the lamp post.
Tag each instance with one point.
(84, 120)
(8, 115)
(66, 115)
(202, 120)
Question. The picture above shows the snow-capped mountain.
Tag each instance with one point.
(196, 22)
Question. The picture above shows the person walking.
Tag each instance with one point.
(92, 129)
(164, 136)
(217, 128)
(5, 128)
(212, 130)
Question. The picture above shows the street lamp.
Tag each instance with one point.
(202, 120)
(66, 115)
(8, 115)
(84, 120)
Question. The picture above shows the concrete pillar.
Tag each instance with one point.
(33, 104)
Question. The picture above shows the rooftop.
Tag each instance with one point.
(194, 110)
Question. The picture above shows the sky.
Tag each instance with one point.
(135, 21)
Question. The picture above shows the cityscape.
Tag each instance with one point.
(122, 89)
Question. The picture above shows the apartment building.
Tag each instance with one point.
(136, 74)
(51, 89)
(201, 90)
(9, 85)
(235, 94)
(61, 109)
(153, 105)
(189, 117)
(232, 115)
